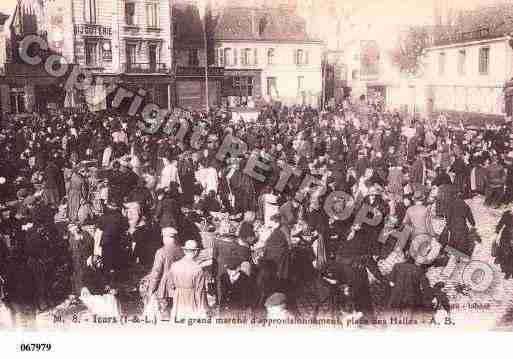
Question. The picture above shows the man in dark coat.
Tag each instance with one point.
(460, 169)
(144, 235)
(113, 226)
(351, 269)
(409, 282)
(495, 179)
(458, 218)
(228, 252)
(128, 180)
(52, 181)
(418, 171)
(277, 251)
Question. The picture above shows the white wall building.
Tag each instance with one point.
(469, 76)
(268, 55)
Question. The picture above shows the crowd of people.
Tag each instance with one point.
(90, 200)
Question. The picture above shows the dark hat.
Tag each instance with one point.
(232, 263)
(439, 286)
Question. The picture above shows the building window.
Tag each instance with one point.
(261, 26)
(246, 56)
(91, 53)
(271, 86)
(299, 57)
(220, 57)
(152, 15)
(130, 13)
(235, 57)
(243, 85)
(255, 56)
(462, 59)
(354, 74)
(193, 58)
(131, 54)
(106, 50)
(228, 56)
(90, 11)
(249, 86)
(270, 57)
(441, 64)
(484, 60)
(300, 84)
(153, 56)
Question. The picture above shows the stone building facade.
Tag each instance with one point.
(469, 76)
(268, 56)
(127, 42)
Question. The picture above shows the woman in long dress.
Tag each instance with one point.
(243, 189)
(81, 246)
(445, 192)
(185, 283)
(504, 255)
(75, 195)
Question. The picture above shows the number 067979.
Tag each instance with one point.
(41, 347)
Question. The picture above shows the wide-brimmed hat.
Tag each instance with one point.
(190, 246)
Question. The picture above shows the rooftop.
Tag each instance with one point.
(260, 24)
(486, 22)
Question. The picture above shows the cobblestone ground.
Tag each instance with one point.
(487, 309)
(490, 308)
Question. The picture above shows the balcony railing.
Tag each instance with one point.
(145, 68)
(198, 71)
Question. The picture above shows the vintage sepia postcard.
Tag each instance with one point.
(271, 165)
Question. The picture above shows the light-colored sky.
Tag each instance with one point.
(380, 11)
(7, 6)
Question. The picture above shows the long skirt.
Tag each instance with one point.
(504, 256)
(73, 205)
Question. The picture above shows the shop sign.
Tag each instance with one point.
(93, 30)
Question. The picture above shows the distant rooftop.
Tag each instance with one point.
(485, 22)
(261, 24)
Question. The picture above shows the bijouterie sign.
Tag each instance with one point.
(92, 30)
